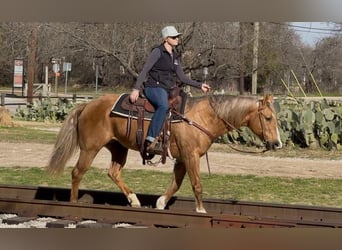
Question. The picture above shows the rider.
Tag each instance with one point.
(158, 76)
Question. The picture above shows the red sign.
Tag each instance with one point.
(18, 73)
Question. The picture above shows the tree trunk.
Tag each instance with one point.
(31, 62)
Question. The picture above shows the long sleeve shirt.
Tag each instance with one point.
(161, 68)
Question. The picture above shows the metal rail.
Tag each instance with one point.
(22, 100)
(110, 208)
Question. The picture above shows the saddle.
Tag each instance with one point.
(142, 109)
(174, 99)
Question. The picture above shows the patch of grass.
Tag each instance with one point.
(27, 134)
(317, 192)
(311, 191)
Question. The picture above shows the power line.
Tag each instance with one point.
(317, 32)
(309, 29)
(304, 31)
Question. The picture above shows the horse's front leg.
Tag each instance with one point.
(119, 156)
(178, 176)
(192, 165)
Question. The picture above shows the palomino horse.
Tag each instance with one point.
(91, 127)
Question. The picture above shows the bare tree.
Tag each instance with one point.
(119, 51)
(328, 65)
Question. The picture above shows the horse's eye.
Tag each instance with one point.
(268, 118)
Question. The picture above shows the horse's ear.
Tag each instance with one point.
(267, 99)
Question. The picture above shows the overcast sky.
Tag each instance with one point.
(312, 32)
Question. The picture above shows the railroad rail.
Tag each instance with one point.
(111, 208)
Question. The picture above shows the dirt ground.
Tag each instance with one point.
(36, 155)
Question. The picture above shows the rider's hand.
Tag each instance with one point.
(205, 87)
(133, 97)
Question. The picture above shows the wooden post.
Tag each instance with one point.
(241, 58)
(3, 99)
(255, 58)
(31, 62)
(313, 79)
(300, 87)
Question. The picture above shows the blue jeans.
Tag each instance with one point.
(158, 97)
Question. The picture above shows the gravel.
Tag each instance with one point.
(42, 221)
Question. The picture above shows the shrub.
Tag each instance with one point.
(45, 110)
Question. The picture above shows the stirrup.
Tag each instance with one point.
(155, 147)
(146, 154)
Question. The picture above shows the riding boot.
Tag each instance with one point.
(155, 147)
(147, 155)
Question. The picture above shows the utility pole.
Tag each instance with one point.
(241, 59)
(31, 62)
(255, 58)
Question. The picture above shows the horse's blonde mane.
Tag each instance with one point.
(232, 108)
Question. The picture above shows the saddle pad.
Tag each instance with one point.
(118, 110)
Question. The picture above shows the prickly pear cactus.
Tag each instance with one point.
(310, 123)
(300, 123)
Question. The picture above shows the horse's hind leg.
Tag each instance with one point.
(84, 161)
(119, 157)
(179, 173)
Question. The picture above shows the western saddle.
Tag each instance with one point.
(176, 101)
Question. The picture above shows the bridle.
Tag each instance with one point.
(262, 118)
(230, 126)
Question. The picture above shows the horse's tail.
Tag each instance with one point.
(67, 142)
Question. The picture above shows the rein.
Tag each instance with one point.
(240, 150)
(201, 128)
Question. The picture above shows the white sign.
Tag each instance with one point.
(55, 68)
(66, 66)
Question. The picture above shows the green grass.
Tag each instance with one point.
(27, 134)
(317, 192)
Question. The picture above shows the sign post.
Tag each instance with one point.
(56, 62)
(205, 73)
(96, 77)
(55, 68)
(66, 69)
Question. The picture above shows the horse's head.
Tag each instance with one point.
(263, 122)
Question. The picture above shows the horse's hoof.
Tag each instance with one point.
(161, 203)
(133, 200)
(201, 210)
